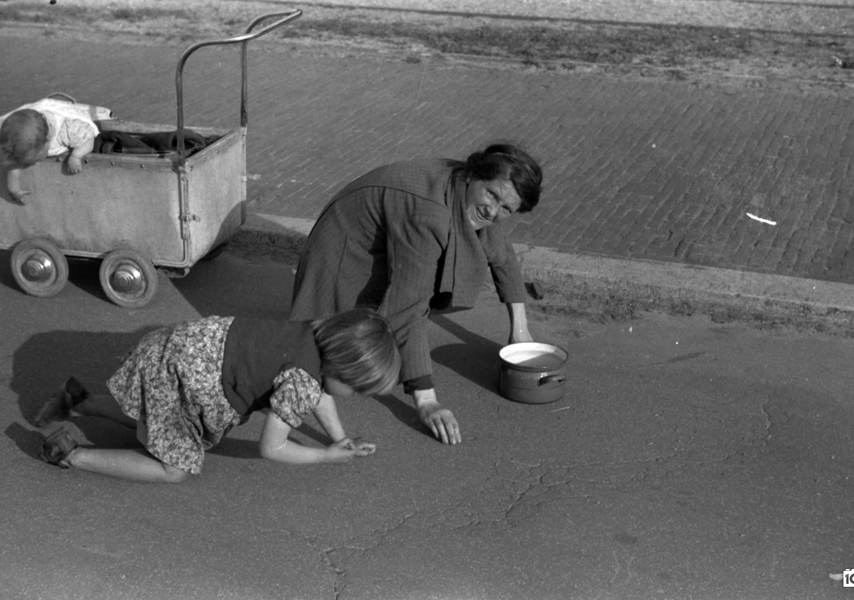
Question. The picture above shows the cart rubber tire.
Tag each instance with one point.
(128, 278)
(39, 268)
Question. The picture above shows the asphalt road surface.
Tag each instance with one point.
(687, 459)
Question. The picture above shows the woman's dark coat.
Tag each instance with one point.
(397, 238)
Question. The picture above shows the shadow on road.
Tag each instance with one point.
(475, 359)
(42, 363)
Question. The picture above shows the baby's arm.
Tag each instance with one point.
(274, 445)
(75, 159)
(13, 184)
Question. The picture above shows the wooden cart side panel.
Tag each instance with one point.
(110, 204)
(134, 201)
(216, 186)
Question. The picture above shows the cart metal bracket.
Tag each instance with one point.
(180, 165)
(244, 89)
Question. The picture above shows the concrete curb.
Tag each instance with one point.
(652, 284)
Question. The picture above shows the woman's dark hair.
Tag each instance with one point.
(506, 161)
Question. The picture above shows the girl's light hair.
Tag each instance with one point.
(22, 135)
(357, 347)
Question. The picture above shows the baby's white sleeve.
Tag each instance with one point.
(73, 133)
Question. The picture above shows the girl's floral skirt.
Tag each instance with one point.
(171, 384)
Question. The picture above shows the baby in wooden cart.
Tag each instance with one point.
(36, 131)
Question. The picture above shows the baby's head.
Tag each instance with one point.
(23, 138)
(357, 347)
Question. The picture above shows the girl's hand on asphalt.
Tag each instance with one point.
(364, 447)
(341, 451)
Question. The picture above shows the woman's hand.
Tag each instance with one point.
(519, 336)
(518, 323)
(437, 419)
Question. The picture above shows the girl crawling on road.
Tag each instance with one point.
(184, 387)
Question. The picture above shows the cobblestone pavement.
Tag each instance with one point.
(634, 168)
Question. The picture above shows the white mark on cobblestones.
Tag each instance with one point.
(761, 220)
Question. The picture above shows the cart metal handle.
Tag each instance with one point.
(244, 89)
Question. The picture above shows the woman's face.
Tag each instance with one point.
(489, 202)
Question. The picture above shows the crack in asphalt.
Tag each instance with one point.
(349, 549)
(339, 584)
(515, 488)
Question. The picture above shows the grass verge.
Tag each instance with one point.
(549, 44)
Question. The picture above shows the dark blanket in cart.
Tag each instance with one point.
(163, 142)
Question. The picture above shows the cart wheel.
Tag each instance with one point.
(39, 267)
(128, 279)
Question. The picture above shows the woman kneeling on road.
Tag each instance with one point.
(414, 237)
